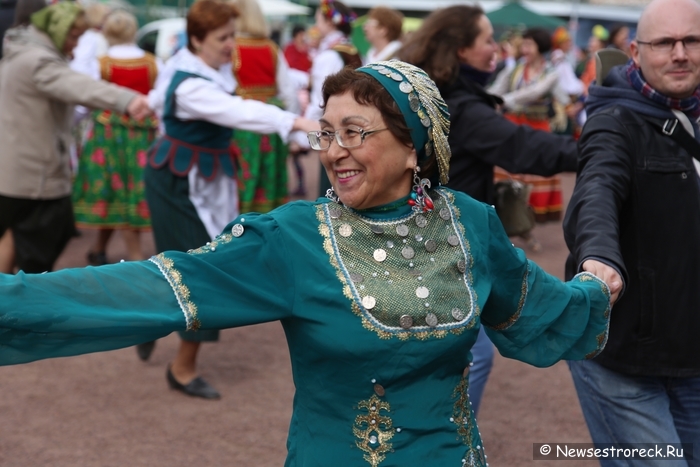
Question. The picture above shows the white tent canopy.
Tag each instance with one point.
(283, 8)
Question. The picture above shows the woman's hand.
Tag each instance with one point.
(607, 274)
(305, 125)
(138, 108)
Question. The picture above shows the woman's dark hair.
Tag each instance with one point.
(541, 37)
(367, 91)
(434, 46)
(206, 15)
(615, 30)
(298, 29)
(24, 9)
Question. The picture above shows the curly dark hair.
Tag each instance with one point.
(541, 37)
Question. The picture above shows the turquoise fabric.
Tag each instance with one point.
(351, 364)
(191, 142)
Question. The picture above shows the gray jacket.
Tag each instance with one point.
(38, 92)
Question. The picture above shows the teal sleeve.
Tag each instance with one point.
(234, 280)
(77, 311)
(533, 316)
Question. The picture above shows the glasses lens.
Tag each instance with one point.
(318, 140)
(350, 137)
(662, 45)
(692, 42)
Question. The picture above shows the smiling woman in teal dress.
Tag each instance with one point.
(381, 288)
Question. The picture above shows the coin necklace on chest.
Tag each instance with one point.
(406, 276)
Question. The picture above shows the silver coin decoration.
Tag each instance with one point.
(369, 302)
(414, 102)
(419, 238)
(377, 229)
(402, 230)
(445, 214)
(345, 230)
(396, 77)
(457, 314)
(461, 266)
(421, 221)
(425, 121)
(406, 322)
(422, 292)
(453, 240)
(431, 320)
(405, 87)
(390, 244)
(356, 277)
(335, 213)
(408, 252)
(379, 255)
(237, 230)
(430, 246)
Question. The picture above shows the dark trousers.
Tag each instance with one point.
(41, 229)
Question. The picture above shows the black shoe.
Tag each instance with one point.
(145, 350)
(197, 387)
(97, 259)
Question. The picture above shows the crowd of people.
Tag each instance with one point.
(401, 272)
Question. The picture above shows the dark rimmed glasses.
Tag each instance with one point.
(347, 137)
(666, 44)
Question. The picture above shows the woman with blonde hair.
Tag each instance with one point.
(109, 192)
(261, 73)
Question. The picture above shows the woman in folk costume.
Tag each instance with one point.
(190, 177)
(381, 289)
(261, 73)
(109, 192)
(530, 92)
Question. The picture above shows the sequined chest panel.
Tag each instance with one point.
(409, 277)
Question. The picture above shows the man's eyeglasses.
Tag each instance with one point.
(347, 137)
(666, 44)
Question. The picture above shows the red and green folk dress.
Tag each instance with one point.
(262, 164)
(109, 191)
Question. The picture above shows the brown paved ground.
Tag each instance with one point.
(110, 409)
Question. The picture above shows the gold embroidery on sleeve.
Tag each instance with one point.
(182, 293)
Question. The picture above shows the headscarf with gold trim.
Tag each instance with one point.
(56, 21)
(422, 106)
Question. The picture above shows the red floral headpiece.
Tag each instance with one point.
(329, 11)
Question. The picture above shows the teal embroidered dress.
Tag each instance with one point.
(380, 309)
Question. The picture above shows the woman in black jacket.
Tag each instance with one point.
(455, 46)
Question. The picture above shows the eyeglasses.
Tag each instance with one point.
(347, 137)
(667, 44)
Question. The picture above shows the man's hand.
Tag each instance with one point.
(138, 108)
(608, 274)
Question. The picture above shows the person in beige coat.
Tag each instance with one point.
(38, 92)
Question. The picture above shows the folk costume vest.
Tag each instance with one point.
(186, 144)
(138, 74)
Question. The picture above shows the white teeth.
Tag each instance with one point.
(348, 174)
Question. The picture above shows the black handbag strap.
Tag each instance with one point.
(673, 128)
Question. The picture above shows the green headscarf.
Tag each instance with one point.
(57, 20)
(422, 107)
